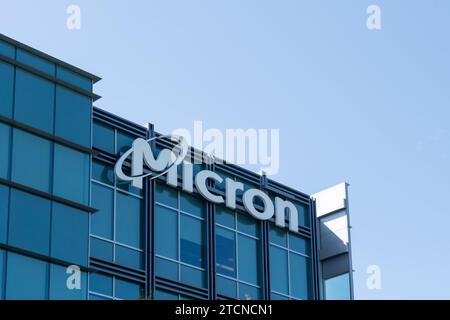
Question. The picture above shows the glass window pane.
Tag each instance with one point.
(96, 297)
(102, 172)
(34, 101)
(101, 283)
(193, 277)
(166, 195)
(278, 270)
(126, 185)
(225, 217)
(249, 292)
(71, 165)
(70, 234)
(26, 278)
(6, 89)
(248, 225)
(73, 78)
(73, 116)
(192, 205)
(65, 286)
(278, 236)
(102, 220)
(191, 240)
(226, 252)
(4, 207)
(165, 295)
(2, 269)
(338, 288)
(29, 222)
(36, 62)
(103, 137)
(275, 296)
(5, 147)
(7, 50)
(226, 287)
(303, 215)
(130, 219)
(129, 257)
(36, 173)
(298, 243)
(299, 276)
(166, 230)
(124, 141)
(128, 290)
(166, 269)
(101, 249)
(248, 262)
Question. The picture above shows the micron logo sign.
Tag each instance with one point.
(141, 155)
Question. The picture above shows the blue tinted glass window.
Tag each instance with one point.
(73, 78)
(192, 205)
(191, 276)
(166, 195)
(299, 272)
(126, 185)
(225, 217)
(6, 89)
(103, 173)
(29, 222)
(70, 234)
(36, 173)
(4, 206)
(129, 215)
(124, 141)
(165, 295)
(226, 287)
(128, 290)
(101, 283)
(166, 269)
(298, 244)
(103, 137)
(275, 296)
(2, 268)
(34, 101)
(247, 292)
(166, 222)
(101, 249)
(71, 174)
(226, 252)
(59, 281)
(24, 272)
(5, 147)
(129, 257)
(7, 50)
(191, 235)
(278, 236)
(303, 215)
(73, 116)
(338, 288)
(36, 62)
(248, 225)
(248, 250)
(102, 220)
(278, 270)
(96, 297)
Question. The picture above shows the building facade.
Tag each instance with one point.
(71, 229)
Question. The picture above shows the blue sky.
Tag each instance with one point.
(368, 107)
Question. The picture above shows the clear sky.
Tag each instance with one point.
(368, 107)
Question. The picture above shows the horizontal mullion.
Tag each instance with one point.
(46, 135)
(44, 75)
(48, 196)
